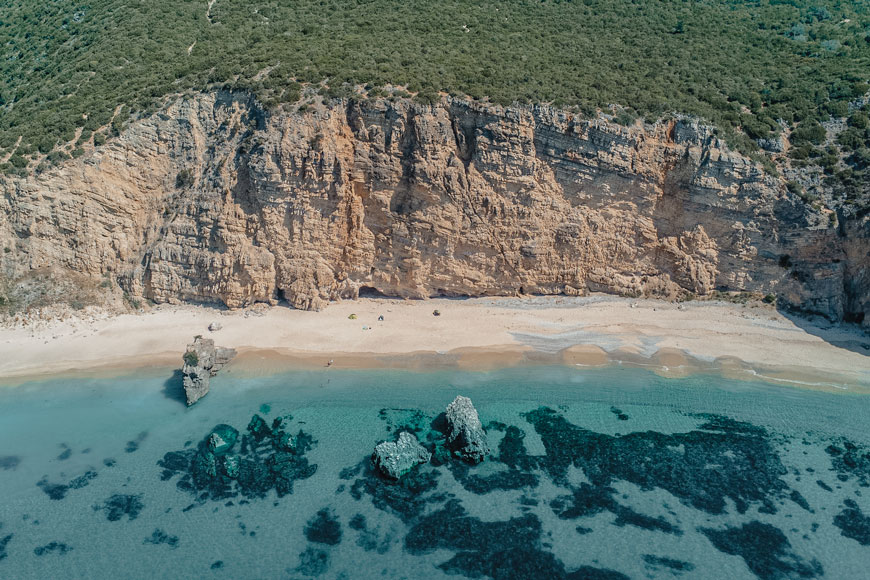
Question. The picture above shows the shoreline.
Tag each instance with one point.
(746, 342)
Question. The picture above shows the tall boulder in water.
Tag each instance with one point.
(395, 459)
(202, 360)
(465, 434)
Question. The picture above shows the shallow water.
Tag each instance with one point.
(608, 473)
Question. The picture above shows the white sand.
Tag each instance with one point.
(720, 333)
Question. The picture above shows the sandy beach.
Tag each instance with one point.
(674, 339)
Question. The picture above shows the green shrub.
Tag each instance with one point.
(859, 120)
(191, 358)
(809, 131)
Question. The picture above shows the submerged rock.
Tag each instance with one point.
(226, 463)
(202, 360)
(222, 439)
(465, 434)
(395, 459)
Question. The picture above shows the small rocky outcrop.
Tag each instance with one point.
(202, 360)
(395, 459)
(465, 434)
(227, 464)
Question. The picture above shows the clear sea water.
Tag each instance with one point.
(609, 473)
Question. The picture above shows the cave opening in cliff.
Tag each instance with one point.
(371, 292)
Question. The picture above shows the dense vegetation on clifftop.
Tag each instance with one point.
(70, 64)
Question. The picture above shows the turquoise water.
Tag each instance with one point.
(613, 473)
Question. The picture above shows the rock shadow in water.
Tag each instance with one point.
(173, 387)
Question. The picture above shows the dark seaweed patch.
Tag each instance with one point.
(357, 522)
(850, 460)
(120, 505)
(619, 414)
(368, 540)
(109, 462)
(823, 485)
(268, 458)
(722, 459)
(507, 479)
(134, 444)
(512, 450)
(9, 462)
(590, 573)
(658, 562)
(853, 523)
(324, 528)
(52, 547)
(65, 454)
(55, 491)
(158, 537)
(502, 550)
(406, 497)
(82, 480)
(412, 420)
(313, 562)
(588, 500)
(4, 541)
(796, 497)
(765, 549)
(217, 565)
(58, 491)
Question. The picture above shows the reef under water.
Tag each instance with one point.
(627, 476)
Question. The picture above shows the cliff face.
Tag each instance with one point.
(214, 199)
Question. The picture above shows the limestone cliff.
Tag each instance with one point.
(215, 200)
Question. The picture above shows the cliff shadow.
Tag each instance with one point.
(173, 387)
(845, 335)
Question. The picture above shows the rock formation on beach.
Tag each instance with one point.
(395, 459)
(202, 360)
(465, 434)
(214, 199)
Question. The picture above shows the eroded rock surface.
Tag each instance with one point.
(465, 434)
(396, 458)
(202, 360)
(214, 199)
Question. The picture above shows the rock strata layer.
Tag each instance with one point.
(214, 199)
(396, 458)
(202, 360)
(465, 435)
